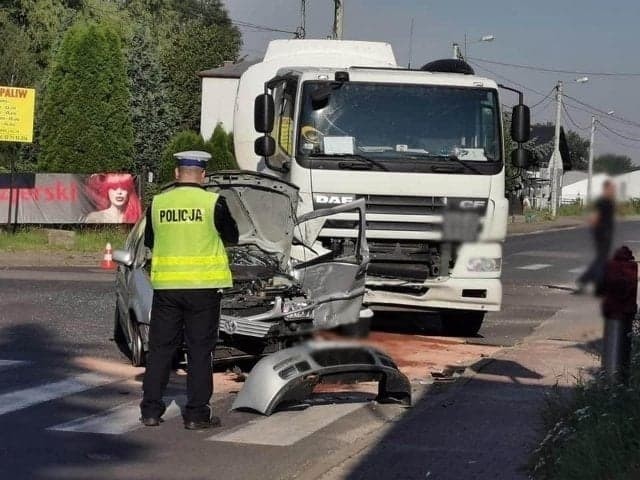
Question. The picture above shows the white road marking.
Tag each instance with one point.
(578, 270)
(20, 399)
(5, 364)
(287, 428)
(115, 421)
(535, 266)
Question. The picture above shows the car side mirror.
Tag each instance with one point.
(520, 123)
(520, 158)
(123, 257)
(263, 113)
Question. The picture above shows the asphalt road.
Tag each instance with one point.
(68, 401)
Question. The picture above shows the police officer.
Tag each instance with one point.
(185, 229)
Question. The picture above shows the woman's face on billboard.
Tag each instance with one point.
(118, 196)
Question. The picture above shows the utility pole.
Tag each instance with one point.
(338, 19)
(555, 158)
(301, 31)
(410, 43)
(590, 175)
(465, 45)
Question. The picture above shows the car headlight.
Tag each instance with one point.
(484, 264)
(297, 309)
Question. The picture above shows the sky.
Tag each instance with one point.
(584, 35)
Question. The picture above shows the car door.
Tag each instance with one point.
(335, 284)
(140, 290)
(123, 277)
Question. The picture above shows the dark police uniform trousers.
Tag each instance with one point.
(196, 315)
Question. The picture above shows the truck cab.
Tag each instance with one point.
(425, 150)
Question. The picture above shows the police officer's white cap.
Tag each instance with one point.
(192, 158)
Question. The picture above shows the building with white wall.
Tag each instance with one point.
(219, 88)
(628, 185)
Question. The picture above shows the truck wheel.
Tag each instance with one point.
(359, 329)
(462, 323)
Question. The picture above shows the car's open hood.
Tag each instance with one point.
(264, 208)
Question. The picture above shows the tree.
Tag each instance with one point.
(221, 150)
(152, 114)
(578, 150)
(86, 121)
(194, 45)
(613, 164)
(180, 142)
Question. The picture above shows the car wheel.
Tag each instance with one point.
(119, 336)
(138, 355)
(462, 323)
(359, 329)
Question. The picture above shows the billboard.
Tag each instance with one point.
(68, 198)
(16, 114)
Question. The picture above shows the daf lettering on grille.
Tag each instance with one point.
(328, 199)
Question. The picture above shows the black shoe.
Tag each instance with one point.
(202, 424)
(151, 421)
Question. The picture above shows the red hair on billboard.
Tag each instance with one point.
(115, 198)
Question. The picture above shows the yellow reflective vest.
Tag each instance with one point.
(188, 252)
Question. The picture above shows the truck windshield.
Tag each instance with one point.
(398, 123)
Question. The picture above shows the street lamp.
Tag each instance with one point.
(484, 38)
(594, 122)
(456, 47)
(554, 181)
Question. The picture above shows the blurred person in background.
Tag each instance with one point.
(602, 222)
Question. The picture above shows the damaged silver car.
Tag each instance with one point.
(276, 301)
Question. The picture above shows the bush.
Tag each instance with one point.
(595, 434)
(218, 146)
(221, 149)
(180, 142)
(86, 120)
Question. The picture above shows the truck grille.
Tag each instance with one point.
(397, 205)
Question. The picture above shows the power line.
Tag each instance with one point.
(618, 133)
(265, 28)
(557, 70)
(507, 79)
(617, 141)
(604, 113)
(571, 120)
(546, 96)
(587, 107)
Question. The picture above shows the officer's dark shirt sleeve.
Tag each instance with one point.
(225, 223)
(148, 230)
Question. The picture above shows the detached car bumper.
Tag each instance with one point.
(289, 375)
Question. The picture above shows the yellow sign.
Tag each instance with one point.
(16, 114)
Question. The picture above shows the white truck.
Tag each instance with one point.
(424, 148)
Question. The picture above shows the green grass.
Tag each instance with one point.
(593, 434)
(87, 240)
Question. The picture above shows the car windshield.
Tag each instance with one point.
(395, 121)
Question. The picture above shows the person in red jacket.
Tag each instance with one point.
(619, 305)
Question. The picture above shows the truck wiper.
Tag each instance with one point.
(361, 161)
(456, 159)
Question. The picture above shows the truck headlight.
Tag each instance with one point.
(484, 264)
(297, 309)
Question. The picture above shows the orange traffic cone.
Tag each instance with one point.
(107, 261)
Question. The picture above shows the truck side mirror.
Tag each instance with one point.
(263, 113)
(520, 158)
(264, 146)
(520, 123)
